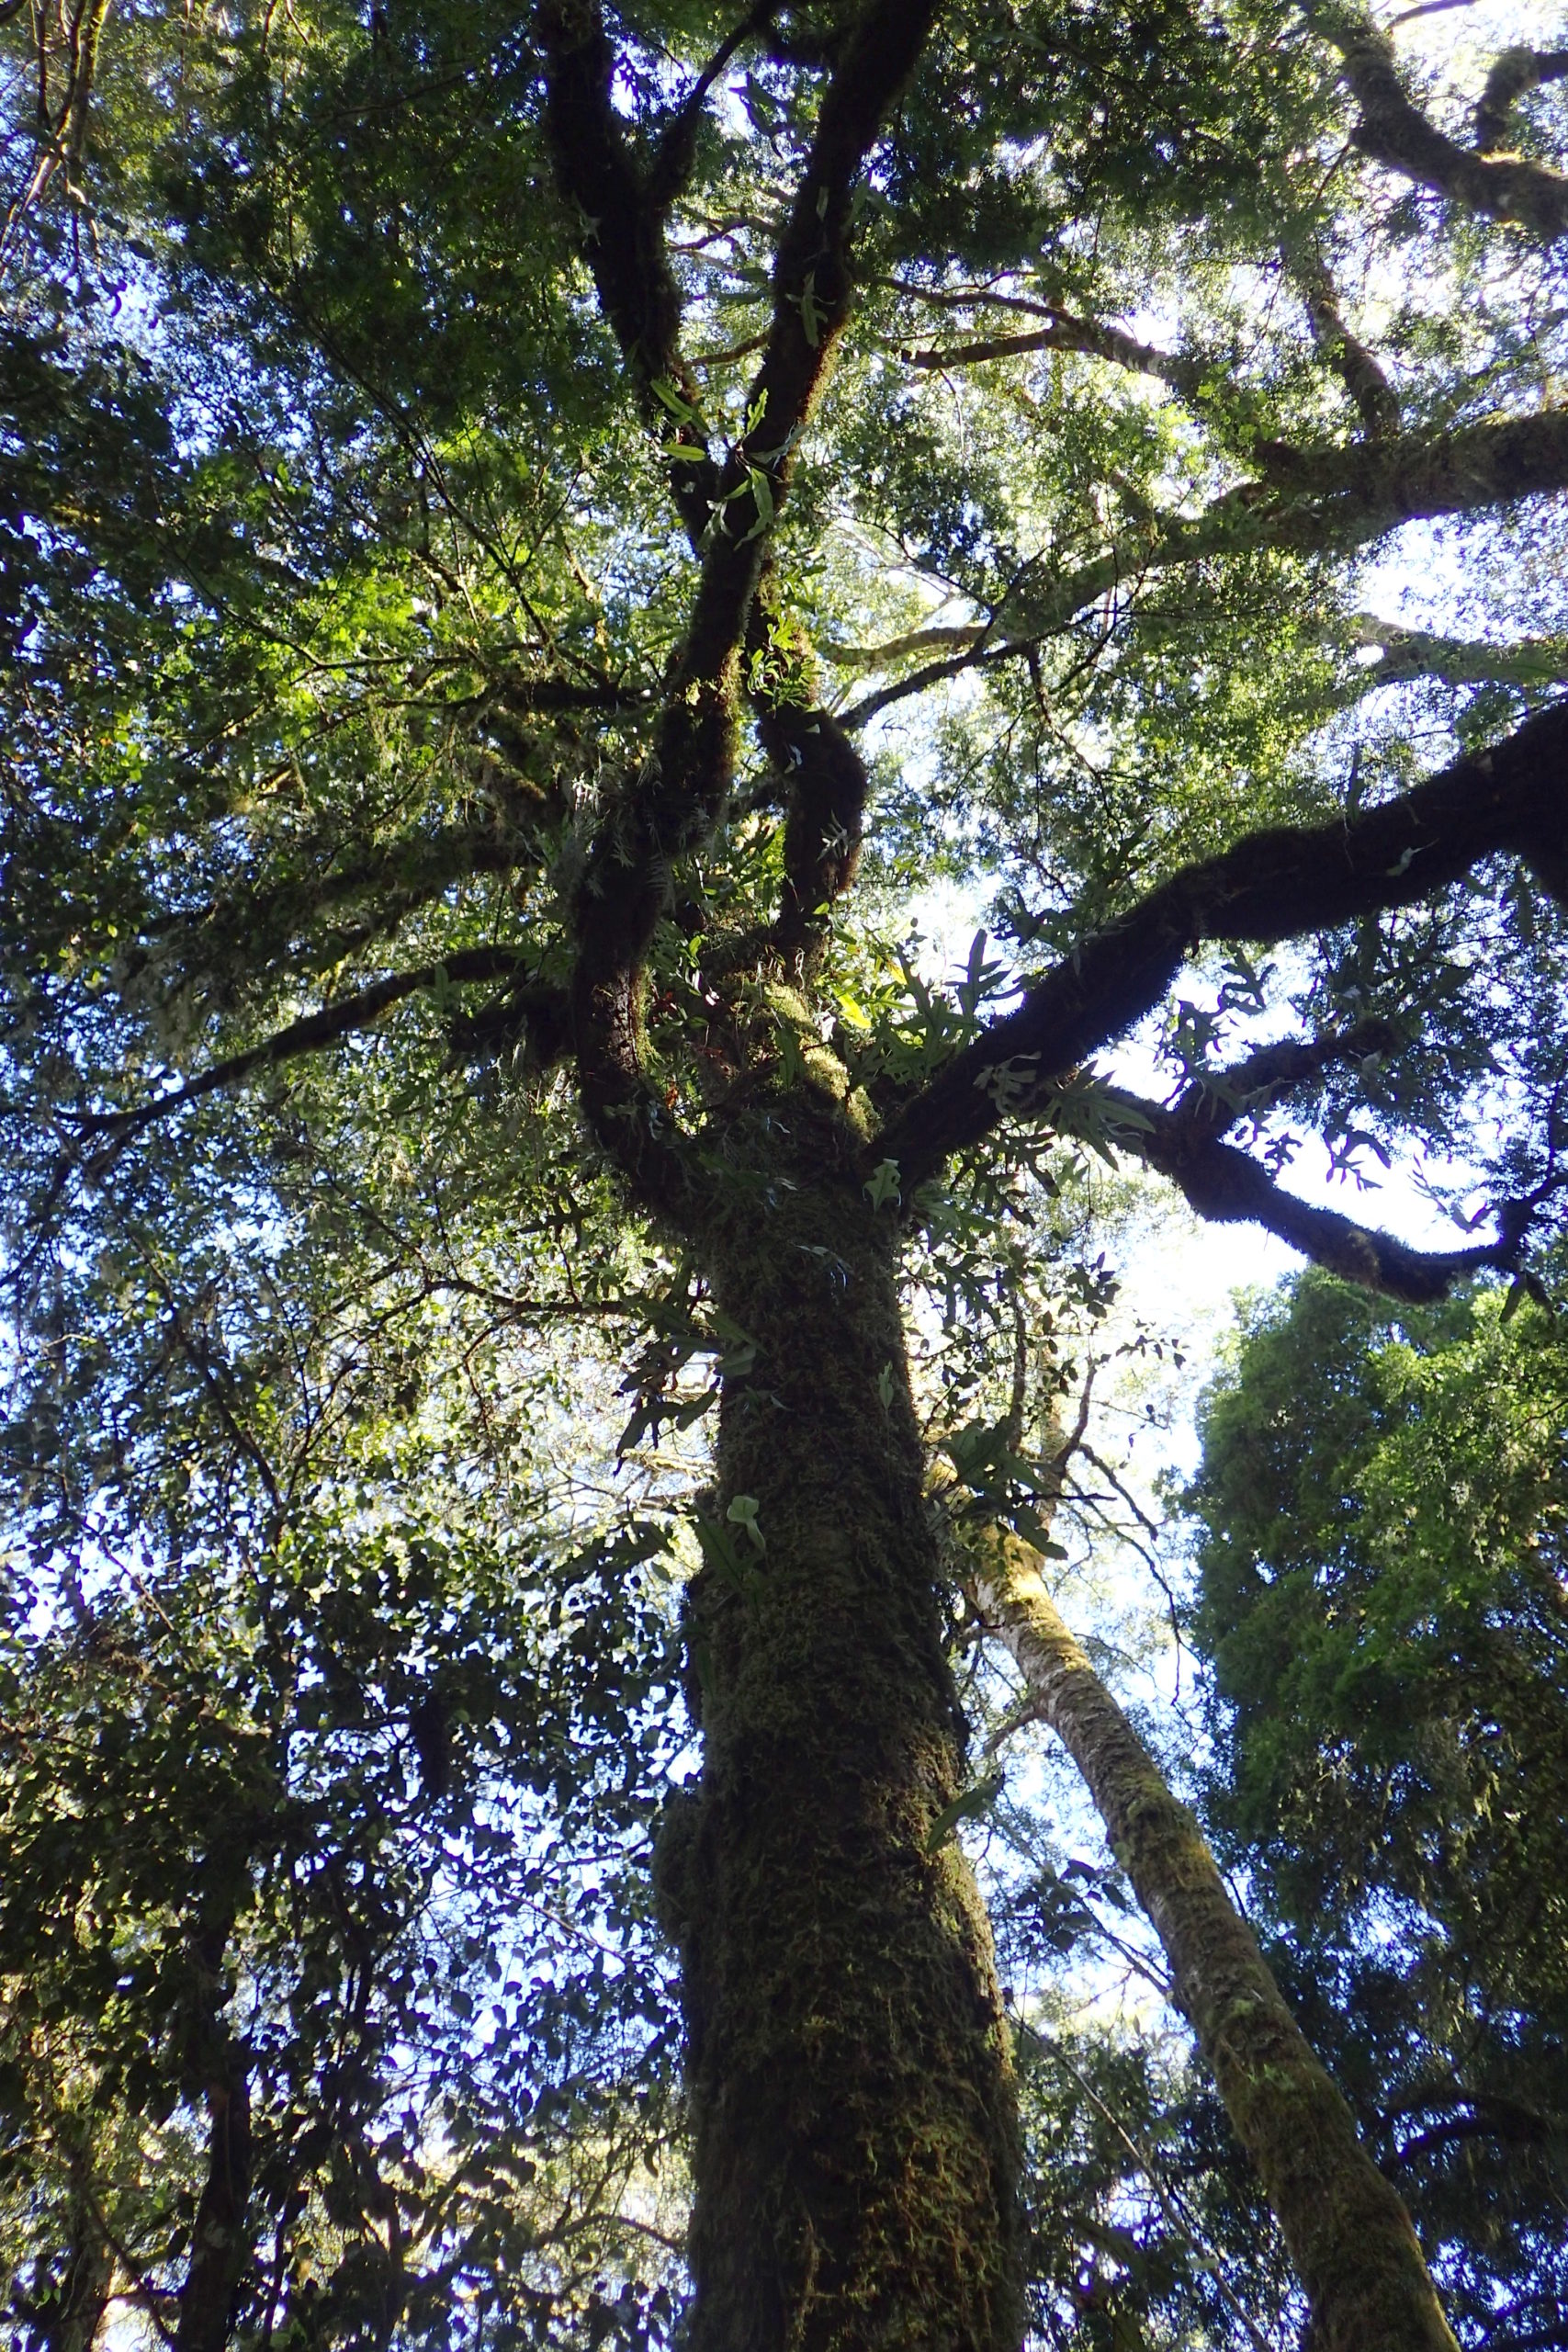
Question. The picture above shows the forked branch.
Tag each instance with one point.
(729, 513)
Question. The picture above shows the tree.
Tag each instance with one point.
(445, 454)
(333, 2009)
(1381, 1507)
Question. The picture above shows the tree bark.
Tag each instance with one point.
(849, 2068)
(220, 2245)
(73, 2322)
(1349, 2234)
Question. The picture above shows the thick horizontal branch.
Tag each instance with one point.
(1394, 131)
(1066, 332)
(956, 638)
(1308, 495)
(310, 1035)
(1309, 500)
(1283, 883)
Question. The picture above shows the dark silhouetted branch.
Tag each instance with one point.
(1283, 883)
(310, 1035)
(671, 165)
(1226, 1186)
(219, 2245)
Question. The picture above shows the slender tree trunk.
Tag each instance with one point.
(847, 2061)
(1347, 2231)
(74, 2322)
(220, 2245)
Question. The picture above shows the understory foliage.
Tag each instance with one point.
(552, 561)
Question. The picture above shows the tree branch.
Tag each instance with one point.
(1308, 501)
(1066, 332)
(61, 144)
(622, 224)
(1514, 71)
(960, 636)
(1535, 663)
(1395, 131)
(310, 1035)
(1355, 366)
(679, 793)
(672, 163)
(1226, 1186)
(1282, 883)
(397, 877)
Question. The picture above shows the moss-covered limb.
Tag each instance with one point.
(1329, 498)
(311, 1034)
(1355, 366)
(678, 795)
(1514, 72)
(854, 2154)
(221, 2247)
(1533, 662)
(1347, 2231)
(1395, 129)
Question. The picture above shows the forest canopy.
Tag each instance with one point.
(582, 1758)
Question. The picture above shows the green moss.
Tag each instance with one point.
(854, 2138)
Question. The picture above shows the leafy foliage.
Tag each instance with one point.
(1380, 1509)
(475, 772)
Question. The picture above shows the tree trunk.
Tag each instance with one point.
(849, 2066)
(1347, 2229)
(73, 2322)
(219, 2246)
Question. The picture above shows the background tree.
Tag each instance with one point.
(1380, 1587)
(446, 455)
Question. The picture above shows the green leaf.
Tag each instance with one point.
(881, 1187)
(964, 1807)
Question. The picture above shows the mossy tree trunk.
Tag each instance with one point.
(1346, 2228)
(847, 2061)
